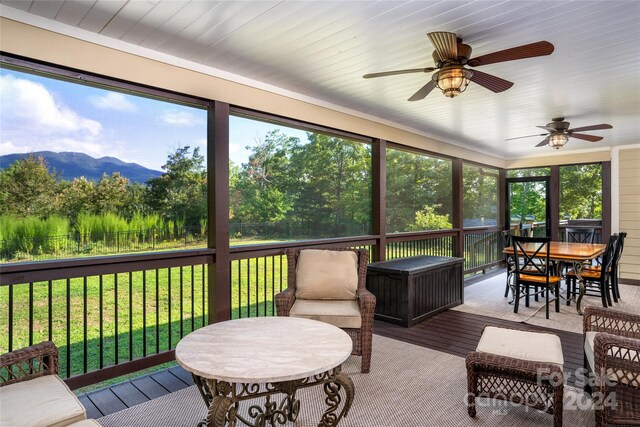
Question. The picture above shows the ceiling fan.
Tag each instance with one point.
(451, 56)
(558, 133)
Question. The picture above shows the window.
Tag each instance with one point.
(480, 196)
(581, 192)
(418, 192)
(91, 170)
(291, 184)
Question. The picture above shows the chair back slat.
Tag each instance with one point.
(531, 255)
(579, 235)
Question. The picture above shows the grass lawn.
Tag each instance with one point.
(139, 313)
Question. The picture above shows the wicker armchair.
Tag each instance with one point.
(28, 363)
(612, 354)
(33, 394)
(366, 303)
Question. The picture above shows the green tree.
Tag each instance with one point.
(76, 197)
(333, 183)
(428, 219)
(260, 188)
(413, 182)
(581, 191)
(111, 195)
(527, 198)
(180, 193)
(480, 195)
(28, 188)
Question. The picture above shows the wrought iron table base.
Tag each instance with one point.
(223, 398)
(577, 268)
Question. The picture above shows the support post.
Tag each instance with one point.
(502, 200)
(219, 278)
(458, 203)
(554, 199)
(606, 201)
(379, 196)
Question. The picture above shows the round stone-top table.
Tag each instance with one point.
(262, 358)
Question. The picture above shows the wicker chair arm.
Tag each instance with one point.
(28, 363)
(509, 367)
(599, 319)
(367, 303)
(284, 301)
(617, 356)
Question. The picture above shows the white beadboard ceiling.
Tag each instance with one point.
(321, 49)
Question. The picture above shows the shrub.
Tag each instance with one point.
(32, 235)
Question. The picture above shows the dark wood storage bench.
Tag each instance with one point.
(409, 290)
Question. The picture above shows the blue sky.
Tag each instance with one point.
(43, 114)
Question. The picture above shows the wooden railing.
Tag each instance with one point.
(482, 249)
(108, 315)
(115, 315)
(427, 243)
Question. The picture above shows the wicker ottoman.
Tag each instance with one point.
(518, 366)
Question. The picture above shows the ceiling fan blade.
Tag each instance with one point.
(592, 127)
(446, 44)
(590, 138)
(541, 48)
(493, 83)
(393, 73)
(543, 143)
(423, 91)
(528, 136)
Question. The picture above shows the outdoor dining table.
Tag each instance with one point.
(263, 359)
(568, 252)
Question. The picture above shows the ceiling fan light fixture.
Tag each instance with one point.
(452, 80)
(558, 140)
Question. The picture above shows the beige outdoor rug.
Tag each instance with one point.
(486, 298)
(409, 386)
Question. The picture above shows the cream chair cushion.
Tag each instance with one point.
(524, 345)
(43, 401)
(326, 275)
(85, 423)
(634, 380)
(340, 313)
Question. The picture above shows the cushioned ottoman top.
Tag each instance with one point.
(525, 345)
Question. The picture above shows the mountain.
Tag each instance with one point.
(69, 165)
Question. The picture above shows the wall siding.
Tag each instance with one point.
(629, 197)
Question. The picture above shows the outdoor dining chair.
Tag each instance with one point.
(579, 235)
(597, 280)
(613, 278)
(615, 272)
(533, 271)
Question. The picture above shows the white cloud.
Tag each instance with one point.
(29, 104)
(235, 147)
(90, 146)
(180, 118)
(7, 147)
(113, 101)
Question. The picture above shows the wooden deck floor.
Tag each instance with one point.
(451, 332)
